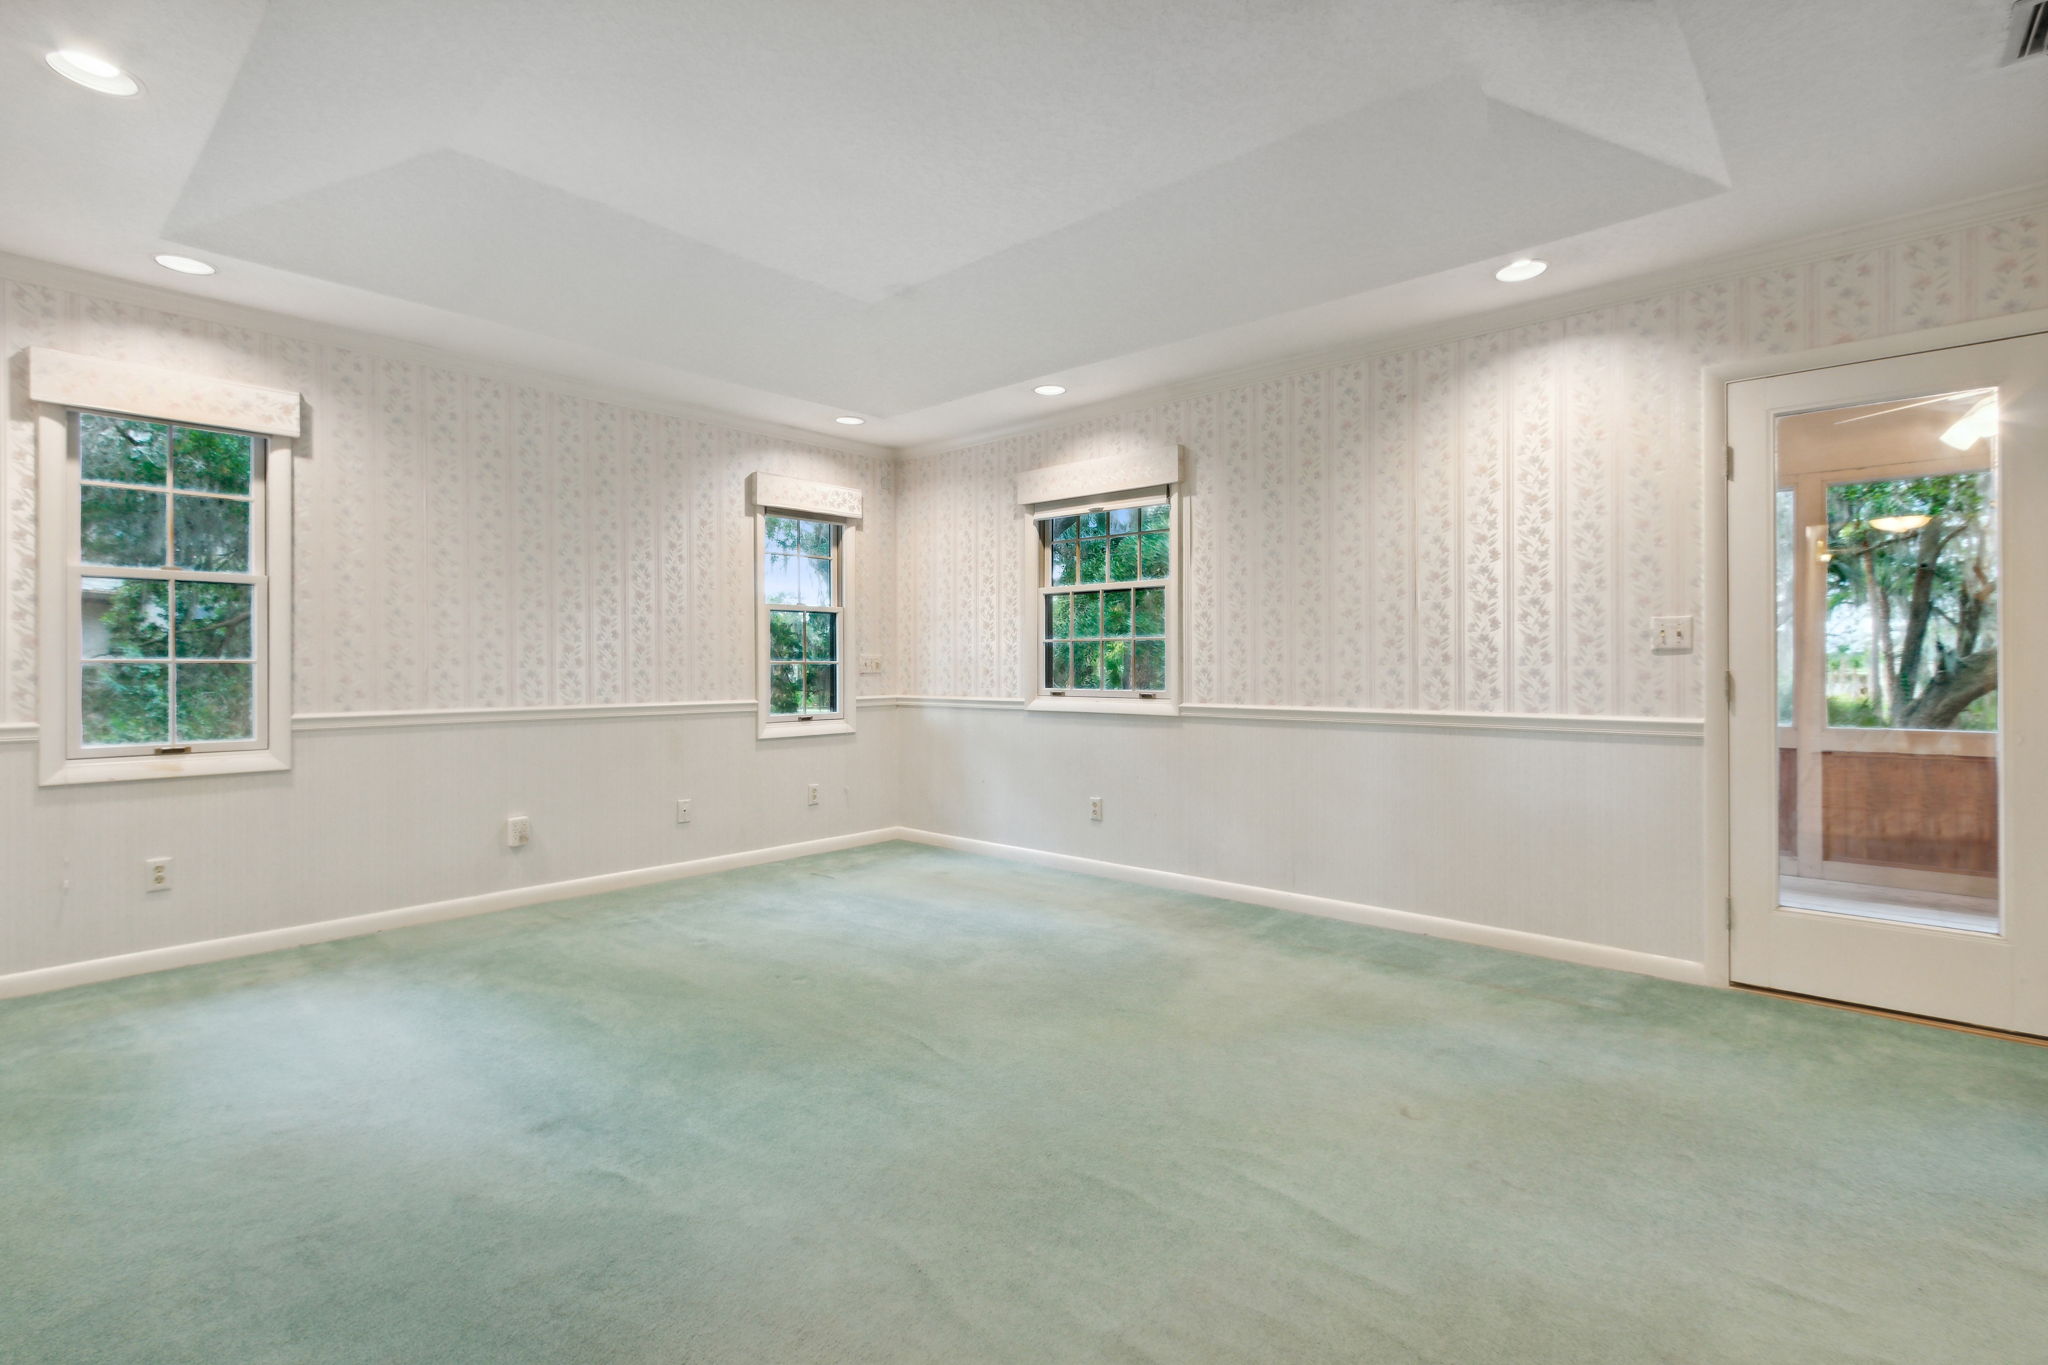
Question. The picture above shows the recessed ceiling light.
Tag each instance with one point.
(1050, 390)
(184, 265)
(849, 421)
(1514, 272)
(94, 73)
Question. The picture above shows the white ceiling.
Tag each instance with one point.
(914, 209)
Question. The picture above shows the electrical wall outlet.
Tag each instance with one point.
(813, 799)
(871, 663)
(156, 874)
(518, 832)
(683, 811)
(1094, 808)
(1671, 634)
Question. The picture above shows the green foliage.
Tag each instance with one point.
(1120, 545)
(1099, 640)
(122, 451)
(214, 701)
(125, 703)
(785, 689)
(1916, 598)
(212, 461)
(151, 619)
(212, 534)
(136, 619)
(1123, 559)
(121, 526)
(214, 620)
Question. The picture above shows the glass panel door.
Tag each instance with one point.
(1888, 663)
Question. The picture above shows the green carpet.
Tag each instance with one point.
(898, 1104)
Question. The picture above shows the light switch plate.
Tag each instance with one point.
(1671, 634)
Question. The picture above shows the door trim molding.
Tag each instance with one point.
(1717, 932)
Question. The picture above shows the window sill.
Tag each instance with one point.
(76, 772)
(801, 729)
(1107, 706)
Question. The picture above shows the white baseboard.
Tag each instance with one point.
(1463, 931)
(296, 936)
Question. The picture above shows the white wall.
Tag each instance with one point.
(1482, 525)
(394, 816)
(1471, 528)
(1581, 836)
(466, 539)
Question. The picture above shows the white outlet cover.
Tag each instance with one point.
(518, 832)
(156, 874)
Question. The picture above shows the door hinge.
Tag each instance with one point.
(1731, 464)
(1731, 913)
(1728, 686)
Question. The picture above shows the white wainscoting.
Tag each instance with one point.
(1576, 838)
(1575, 835)
(393, 813)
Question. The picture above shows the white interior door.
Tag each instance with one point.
(1888, 649)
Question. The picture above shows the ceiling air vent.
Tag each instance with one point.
(2029, 35)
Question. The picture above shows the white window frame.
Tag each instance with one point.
(1129, 701)
(839, 722)
(65, 760)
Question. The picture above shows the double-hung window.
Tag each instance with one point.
(803, 588)
(170, 588)
(1103, 617)
(804, 627)
(164, 651)
(1105, 575)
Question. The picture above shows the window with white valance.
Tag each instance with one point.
(1103, 621)
(804, 534)
(164, 633)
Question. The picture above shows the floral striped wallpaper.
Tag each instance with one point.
(1485, 524)
(464, 539)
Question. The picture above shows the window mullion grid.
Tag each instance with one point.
(167, 488)
(805, 661)
(172, 576)
(1045, 523)
(1046, 638)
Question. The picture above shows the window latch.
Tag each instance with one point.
(803, 720)
(1148, 696)
(1057, 692)
(174, 748)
